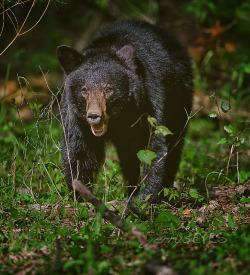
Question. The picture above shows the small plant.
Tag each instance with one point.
(147, 156)
(235, 136)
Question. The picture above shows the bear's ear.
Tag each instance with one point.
(69, 58)
(126, 54)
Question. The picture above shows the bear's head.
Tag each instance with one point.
(98, 82)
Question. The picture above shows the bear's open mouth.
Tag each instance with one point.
(99, 130)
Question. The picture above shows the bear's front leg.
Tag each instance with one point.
(81, 156)
(153, 178)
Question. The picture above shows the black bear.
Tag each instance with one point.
(130, 68)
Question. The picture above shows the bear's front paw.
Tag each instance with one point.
(142, 210)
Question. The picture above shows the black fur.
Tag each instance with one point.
(151, 75)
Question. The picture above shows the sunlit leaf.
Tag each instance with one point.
(148, 197)
(213, 114)
(194, 193)
(143, 206)
(152, 121)
(230, 129)
(225, 107)
(162, 131)
(222, 141)
(242, 140)
(146, 156)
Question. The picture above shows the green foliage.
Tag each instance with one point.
(225, 107)
(167, 219)
(146, 156)
(211, 10)
(162, 131)
(38, 221)
(236, 134)
(213, 114)
(171, 193)
(224, 26)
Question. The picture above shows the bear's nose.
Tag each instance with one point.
(94, 118)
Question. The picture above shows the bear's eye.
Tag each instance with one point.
(108, 92)
(84, 92)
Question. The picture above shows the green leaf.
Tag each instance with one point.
(152, 121)
(222, 219)
(194, 194)
(192, 224)
(242, 140)
(240, 120)
(146, 156)
(225, 107)
(213, 114)
(216, 223)
(106, 249)
(143, 186)
(230, 129)
(231, 221)
(143, 206)
(222, 141)
(68, 264)
(133, 243)
(166, 191)
(43, 214)
(245, 200)
(162, 131)
(13, 213)
(246, 68)
(165, 219)
(227, 129)
(148, 197)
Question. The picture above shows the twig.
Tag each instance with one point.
(132, 193)
(107, 214)
(144, 114)
(230, 157)
(207, 191)
(237, 162)
(19, 32)
(62, 122)
(5, 10)
(46, 170)
(38, 21)
(131, 232)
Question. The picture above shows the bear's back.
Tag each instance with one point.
(158, 51)
(146, 39)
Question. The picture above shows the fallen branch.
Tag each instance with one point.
(107, 214)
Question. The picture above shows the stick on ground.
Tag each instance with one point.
(106, 213)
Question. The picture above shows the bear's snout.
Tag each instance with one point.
(96, 113)
(94, 117)
(98, 123)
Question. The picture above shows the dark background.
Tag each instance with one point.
(218, 26)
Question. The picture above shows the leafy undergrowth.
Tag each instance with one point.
(58, 237)
(201, 228)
